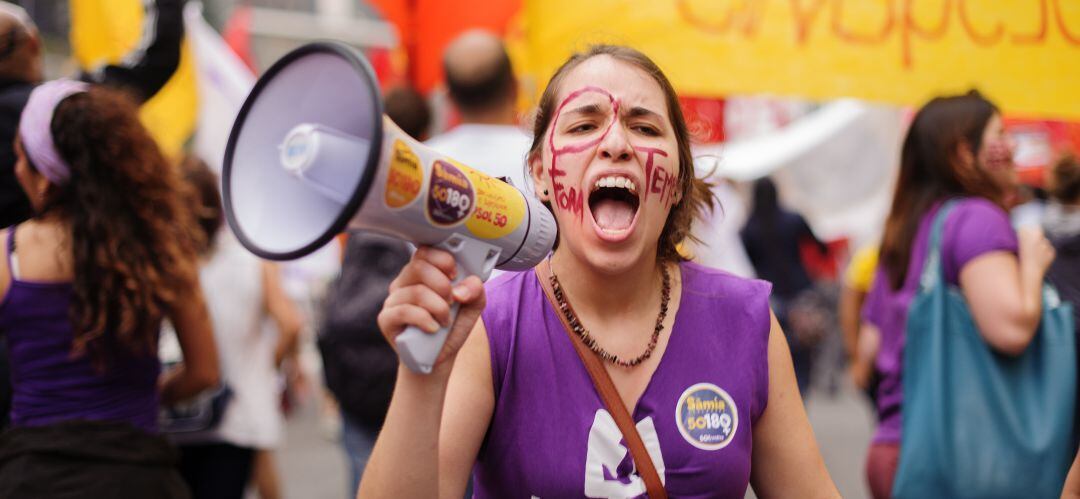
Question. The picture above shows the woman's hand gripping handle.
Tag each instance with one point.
(436, 300)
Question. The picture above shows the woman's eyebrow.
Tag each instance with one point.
(641, 112)
(587, 109)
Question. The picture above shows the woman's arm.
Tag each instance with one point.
(1004, 292)
(850, 318)
(786, 461)
(861, 369)
(199, 370)
(283, 311)
(468, 403)
(436, 421)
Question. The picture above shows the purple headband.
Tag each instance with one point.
(35, 127)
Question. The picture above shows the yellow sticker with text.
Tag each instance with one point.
(500, 208)
(405, 178)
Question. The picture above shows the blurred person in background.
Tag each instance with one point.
(360, 368)
(772, 237)
(481, 84)
(85, 285)
(860, 345)
(143, 73)
(242, 293)
(1061, 222)
(409, 110)
(955, 148)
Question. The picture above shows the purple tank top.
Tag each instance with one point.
(550, 435)
(49, 385)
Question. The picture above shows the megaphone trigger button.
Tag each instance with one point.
(453, 243)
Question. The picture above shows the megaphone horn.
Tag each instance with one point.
(311, 155)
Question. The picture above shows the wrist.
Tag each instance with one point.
(431, 383)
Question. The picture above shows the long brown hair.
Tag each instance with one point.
(132, 237)
(929, 172)
(696, 195)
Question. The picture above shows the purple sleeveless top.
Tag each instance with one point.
(550, 435)
(49, 385)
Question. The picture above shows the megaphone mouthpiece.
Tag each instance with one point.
(318, 154)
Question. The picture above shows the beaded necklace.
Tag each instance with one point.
(581, 332)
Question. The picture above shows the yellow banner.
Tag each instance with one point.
(103, 32)
(1023, 54)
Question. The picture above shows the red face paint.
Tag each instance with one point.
(570, 198)
(996, 155)
(657, 179)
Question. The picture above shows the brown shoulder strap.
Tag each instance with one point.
(653, 486)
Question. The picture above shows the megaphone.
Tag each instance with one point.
(311, 155)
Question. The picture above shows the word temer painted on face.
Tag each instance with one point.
(657, 179)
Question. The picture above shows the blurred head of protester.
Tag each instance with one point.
(206, 202)
(408, 108)
(20, 69)
(481, 85)
(1064, 189)
(20, 46)
(480, 79)
(109, 253)
(242, 294)
(956, 148)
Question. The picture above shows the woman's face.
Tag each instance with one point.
(995, 157)
(609, 163)
(34, 184)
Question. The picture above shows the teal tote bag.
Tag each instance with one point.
(977, 423)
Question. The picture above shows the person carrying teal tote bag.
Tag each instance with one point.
(977, 423)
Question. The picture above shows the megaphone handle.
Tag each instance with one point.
(417, 349)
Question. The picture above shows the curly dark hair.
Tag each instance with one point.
(133, 239)
(696, 193)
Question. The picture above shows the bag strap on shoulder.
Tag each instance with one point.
(645, 467)
(933, 272)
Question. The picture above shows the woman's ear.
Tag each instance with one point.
(536, 171)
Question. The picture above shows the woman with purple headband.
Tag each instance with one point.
(84, 287)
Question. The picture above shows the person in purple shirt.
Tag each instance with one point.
(956, 148)
(696, 354)
(84, 287)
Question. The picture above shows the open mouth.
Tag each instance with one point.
(614, 204)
